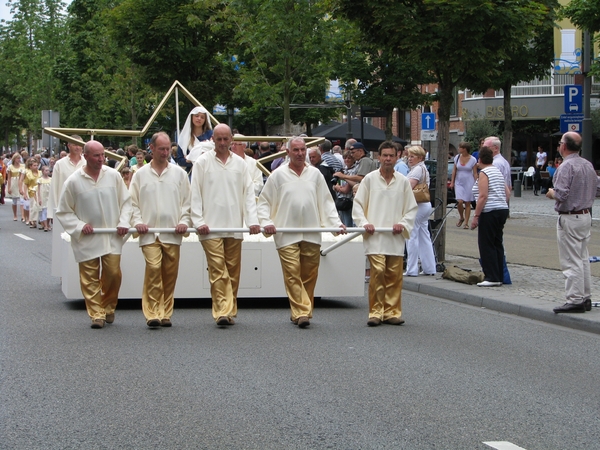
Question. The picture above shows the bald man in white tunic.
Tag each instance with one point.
(95, 196)
(223, 197)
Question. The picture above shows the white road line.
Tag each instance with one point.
(22, 236)
(503, 445)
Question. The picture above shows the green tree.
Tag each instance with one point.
(29, 44)
(173, 40)
(378, 77)
(524, 61)
(283, 49)
(477, 128)
(458, 41)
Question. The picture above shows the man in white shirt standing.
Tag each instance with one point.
(239, 147)
(96, 197)
(63, 169)
(160, 194)
(223, 197)
(499, 162)
(385, 199)
(296, 195)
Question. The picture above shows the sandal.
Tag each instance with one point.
(466, 227)
(460, 222)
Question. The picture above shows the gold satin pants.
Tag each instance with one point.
(100, 280)
(224, 259)
(162, 267)
(300, 266)
(385, 286)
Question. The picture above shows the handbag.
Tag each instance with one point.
(421, 192)
(343, 203)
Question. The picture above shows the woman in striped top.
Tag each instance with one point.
(491, 193)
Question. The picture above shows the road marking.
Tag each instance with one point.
(22, 236)
(503, 445)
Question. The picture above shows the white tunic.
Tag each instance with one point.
(255, 174)
(160, 201)
(383, 205)
(104, 203)
(222, 195)
(292, 201)
(63, 169)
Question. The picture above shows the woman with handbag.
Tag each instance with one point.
(343, 191)
(419, 245)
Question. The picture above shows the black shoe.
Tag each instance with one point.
(570, 308)
(153, 323)
(588, 304)
(303, 322)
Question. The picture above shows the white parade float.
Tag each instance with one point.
(341, 273)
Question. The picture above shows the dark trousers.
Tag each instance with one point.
(491, 247)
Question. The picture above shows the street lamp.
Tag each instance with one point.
(349, 112)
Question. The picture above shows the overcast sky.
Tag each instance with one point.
(5, 9)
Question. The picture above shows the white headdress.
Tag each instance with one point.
(186, 131)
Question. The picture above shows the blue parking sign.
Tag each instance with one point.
(428, 121)
(573, 99)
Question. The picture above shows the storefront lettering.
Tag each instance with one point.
(497, 112)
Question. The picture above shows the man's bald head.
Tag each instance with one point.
(571, 141)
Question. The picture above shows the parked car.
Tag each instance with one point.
(432, 167)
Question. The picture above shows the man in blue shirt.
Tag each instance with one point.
(401, 165)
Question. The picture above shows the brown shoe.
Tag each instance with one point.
(374, 322)
(223, 320)
(110, 318)
(165, 323)
(303, 322)
(97, 323)
(394, 321)
(153, 323)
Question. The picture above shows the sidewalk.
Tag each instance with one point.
(535, 290)
(534, 293)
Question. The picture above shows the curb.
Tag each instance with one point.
(498, 299)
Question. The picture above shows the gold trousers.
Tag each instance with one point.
(224, 259)
(162, 267)
(300, 266)
(385, 286)
(100, 280)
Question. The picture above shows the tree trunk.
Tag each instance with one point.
(508, 130)
(287, 120)
(443, 141)
(388, 125)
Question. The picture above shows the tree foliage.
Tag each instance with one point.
(29, 45)
(378, 77)
(459, 41)
(283, 51)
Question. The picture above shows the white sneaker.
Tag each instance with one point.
(427, 274)
(406, 274)
(489, 283)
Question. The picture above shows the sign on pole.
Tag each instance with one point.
(571, 122)
(428, 135)
(50, 119)
(573, 99)
(428, 121)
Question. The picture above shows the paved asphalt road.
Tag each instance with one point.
(453, 377)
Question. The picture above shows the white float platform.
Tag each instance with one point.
(341, 273)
